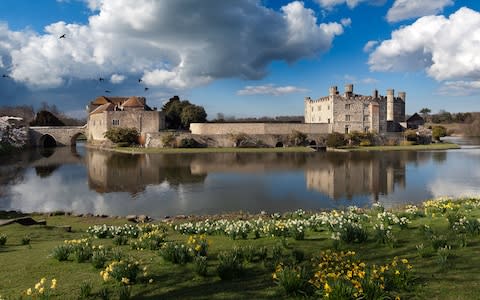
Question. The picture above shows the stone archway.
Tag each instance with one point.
(73, 139)
(47, 141)
(312, 143)
(278, 145)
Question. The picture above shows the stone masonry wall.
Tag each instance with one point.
(257, 128)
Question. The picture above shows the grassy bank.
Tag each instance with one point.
(211, 150)
(438, 146)
(428, 252)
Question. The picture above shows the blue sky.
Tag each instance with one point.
(241, 58)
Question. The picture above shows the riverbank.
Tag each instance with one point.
(427, 252)
(437, 146)
(137, 150)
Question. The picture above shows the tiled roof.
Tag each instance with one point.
(105, 107)
(133, 102)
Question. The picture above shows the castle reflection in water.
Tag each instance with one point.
(336, 175)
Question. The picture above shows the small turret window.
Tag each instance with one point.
(115, 122)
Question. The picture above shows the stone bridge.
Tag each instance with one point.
(49, 136)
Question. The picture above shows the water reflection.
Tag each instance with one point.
(103, 182)
(114, 172)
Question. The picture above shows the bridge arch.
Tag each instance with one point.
(73, 139)
(47, 141)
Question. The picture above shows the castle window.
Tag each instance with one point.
(366, 117)
(347, 117)
(328, 107)
(347, 106)
(347, 129)
(115, 122)
(366, 129)
(328, 121)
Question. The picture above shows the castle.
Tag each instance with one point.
(108, 112)
(351, 112)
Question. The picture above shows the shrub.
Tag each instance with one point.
(249, 253)
(200, 265)
(438, 132)
(199, 244)
(81, 252)
(104, 293)
(26, 240)
(229, 265)
(122, 135)
(335, 140)
(3, 239)
(99, 258)
(124, 292)
(297, 138)
(85, 290)
(124, 271)
(410, 135)
(120, 240)
(189, 143)
(239, 139)
(353, 233)
(262, 253)
(294, 280)
(168, 140)
(152, 240)
(444, 254)
(365, 143)
(176, 253)
(61, 252)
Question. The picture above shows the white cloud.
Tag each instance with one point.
(369, 80)
(369, 46)
(409, 9)
(270, 89)
(346, 22)
(163, 44)
(446, 48)
(117, 78)
(330, 4)
(460, 88)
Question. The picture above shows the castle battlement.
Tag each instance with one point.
(354, 112)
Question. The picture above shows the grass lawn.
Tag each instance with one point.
(439, 146)
(446, 267)
(211, 150)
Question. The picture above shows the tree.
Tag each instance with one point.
(438, 132)
(179, 114)
(46, 118)
(192, 114)
(425, 112)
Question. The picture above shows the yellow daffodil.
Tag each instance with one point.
(29, 292)
(54, 284)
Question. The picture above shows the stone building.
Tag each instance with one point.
(133, 112)
(350, 112)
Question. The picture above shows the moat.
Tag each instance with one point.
(81, 180)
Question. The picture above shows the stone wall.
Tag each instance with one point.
(257, 128)
(143, 121)
(154, 140)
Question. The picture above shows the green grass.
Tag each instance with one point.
(211, 150)
(439, 146)
(22, 265)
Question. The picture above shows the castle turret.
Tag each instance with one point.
(348, 90)
(333, 91)
(390, 99)
(402, 95)
(375, 94)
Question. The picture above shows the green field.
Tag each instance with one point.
(288, 245)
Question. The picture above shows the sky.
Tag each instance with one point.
(242, 58)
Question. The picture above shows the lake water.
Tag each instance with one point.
(98, 182)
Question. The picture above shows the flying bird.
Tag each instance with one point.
(5, 76)
(146, 89)
(107, 91)
(140, 80)
(101, 79)
(62, 36)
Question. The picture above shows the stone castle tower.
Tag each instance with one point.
(349, 112)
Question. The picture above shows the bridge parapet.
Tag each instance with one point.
(60, 135)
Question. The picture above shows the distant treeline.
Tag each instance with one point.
(30, 116)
